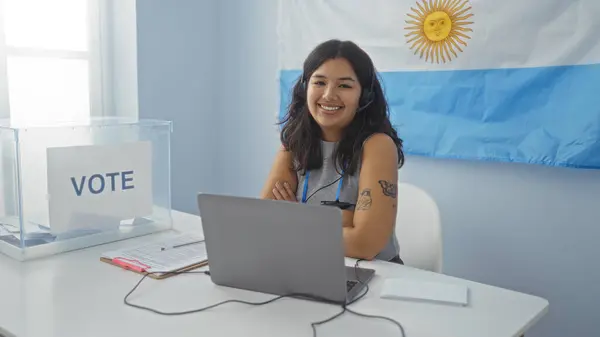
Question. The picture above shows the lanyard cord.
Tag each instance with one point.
(305, 189)
(339, 189)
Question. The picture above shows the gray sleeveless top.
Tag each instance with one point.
(349, 193)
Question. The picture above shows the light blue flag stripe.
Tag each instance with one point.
(544, 115)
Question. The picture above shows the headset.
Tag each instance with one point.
(366, 97)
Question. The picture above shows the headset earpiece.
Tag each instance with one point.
(366, 98)
(302, 82)
(368, 95)
(302, 85)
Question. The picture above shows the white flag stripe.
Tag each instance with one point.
(506, 33)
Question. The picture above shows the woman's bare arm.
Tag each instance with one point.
(282, 172)
(375, 213)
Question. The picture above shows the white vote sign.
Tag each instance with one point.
(97, 186)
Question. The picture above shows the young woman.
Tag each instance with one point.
(340, 149)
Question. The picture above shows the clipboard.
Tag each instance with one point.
(161, 259)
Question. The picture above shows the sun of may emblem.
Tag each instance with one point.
(438, 28)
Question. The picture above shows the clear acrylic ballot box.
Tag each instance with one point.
(75, 185)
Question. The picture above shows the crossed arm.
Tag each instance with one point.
(281, 179)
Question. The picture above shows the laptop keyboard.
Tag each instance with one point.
(350, 285)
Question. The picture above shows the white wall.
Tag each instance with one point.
(176, 68)
(532, 229)
(212, 70)
(246, 94)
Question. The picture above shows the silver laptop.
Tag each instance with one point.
(279, 247)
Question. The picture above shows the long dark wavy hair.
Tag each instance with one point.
(301, 135)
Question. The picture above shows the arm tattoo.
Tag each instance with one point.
(389, 189)
(364, 201)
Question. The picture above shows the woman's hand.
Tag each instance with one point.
(283, 191)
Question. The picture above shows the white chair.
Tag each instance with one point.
(418, 229)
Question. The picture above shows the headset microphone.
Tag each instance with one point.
(337, 203)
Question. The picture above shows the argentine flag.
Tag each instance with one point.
(499, 80)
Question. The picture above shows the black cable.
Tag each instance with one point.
(313, 325)
(322, 187)
(380, 317)
(177, 313)
(345, 307)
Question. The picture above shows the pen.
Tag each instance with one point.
(182, 245)
(134, 265)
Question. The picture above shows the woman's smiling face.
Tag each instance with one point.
(333, 95)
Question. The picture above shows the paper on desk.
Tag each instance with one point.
(11, 239)
(10, 233)
(10, 225)
(160, 256)
(4, 231)
(419, 290)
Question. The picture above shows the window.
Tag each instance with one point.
(61, 61)
(57, 59)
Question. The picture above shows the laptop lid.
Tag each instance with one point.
(275, 247)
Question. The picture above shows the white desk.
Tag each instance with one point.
(76, 295)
